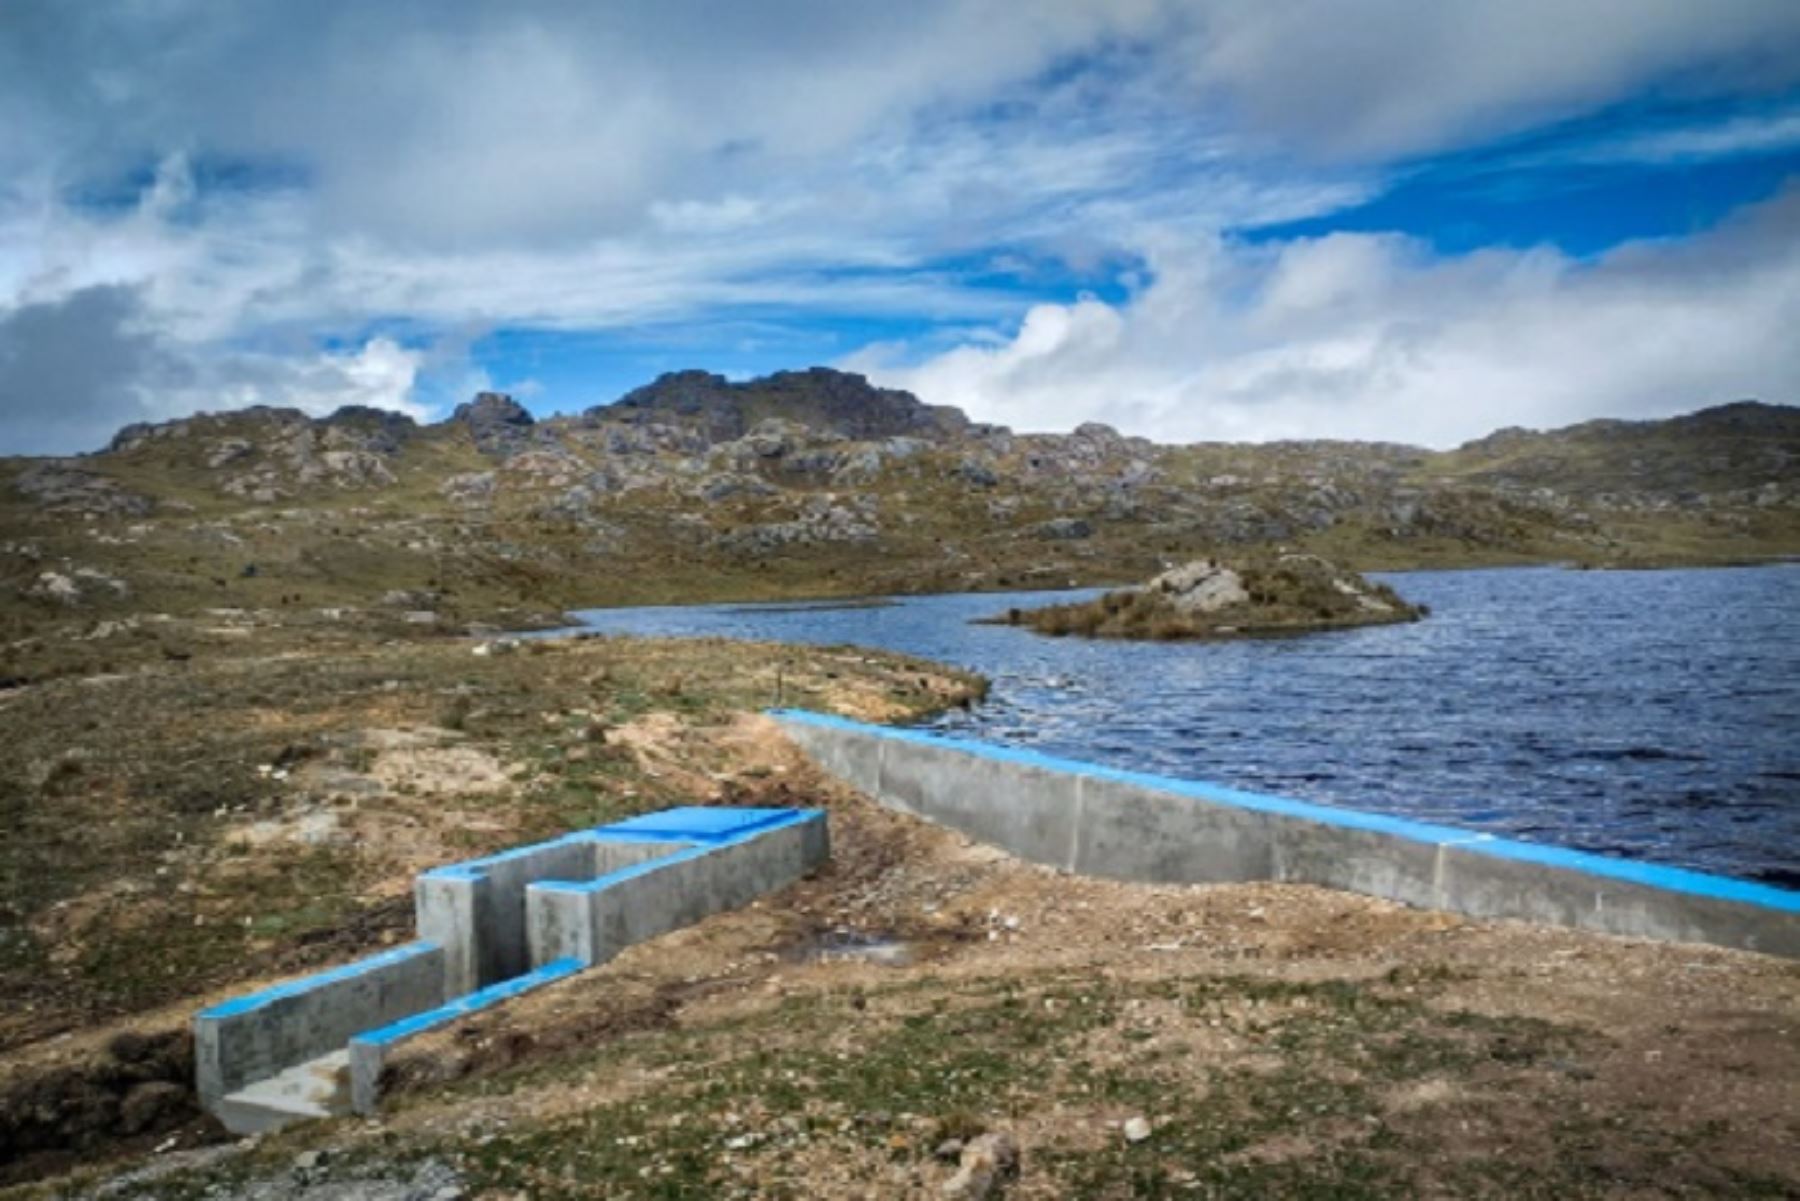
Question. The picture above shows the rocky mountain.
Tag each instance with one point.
(823, 400)
(816, 482)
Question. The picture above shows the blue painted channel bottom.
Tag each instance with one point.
(1672, 879)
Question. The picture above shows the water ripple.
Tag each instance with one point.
(1652, 714)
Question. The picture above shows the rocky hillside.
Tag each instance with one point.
(694, 487)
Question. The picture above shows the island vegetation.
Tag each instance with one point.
(1255, 596)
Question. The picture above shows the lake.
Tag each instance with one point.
(1648, 714)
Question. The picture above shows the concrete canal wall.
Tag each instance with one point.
(1124, 825)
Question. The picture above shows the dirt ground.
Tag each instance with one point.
(854, 1034)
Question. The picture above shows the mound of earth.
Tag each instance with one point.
(1278, 594)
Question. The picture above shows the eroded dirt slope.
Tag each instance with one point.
(848, 1036)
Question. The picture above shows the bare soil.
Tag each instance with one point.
(1278, 1041)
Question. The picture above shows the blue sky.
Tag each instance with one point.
(1193, 220)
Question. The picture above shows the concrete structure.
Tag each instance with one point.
(368, 1052)
(1124, 825)
(491, 929)
(727, 864)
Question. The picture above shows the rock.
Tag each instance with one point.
(977, 472)
(471, 487)
(89, 577)
(543, 468)
(382, 431)
(986, 1161)
(1202, 586)
(1136, 1129)
(410, 598)
(498, 423)
(76, 586)
(54, 585)
(821, 520)
(153, 1104)
(732, 483)
(1065, 529)
(821, 399)
(306, 1161)
(228, 450)
(500, 646)
(60, 487)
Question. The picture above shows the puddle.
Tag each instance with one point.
(844, 944)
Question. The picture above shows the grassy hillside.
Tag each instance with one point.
(696, 489)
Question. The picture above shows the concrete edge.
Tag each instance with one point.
(369, 1050)
(1673, 879)
(252, 1037)
(1395, 858)
(237, 1006)
(784, 818)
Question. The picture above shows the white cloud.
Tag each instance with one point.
(1381, 78)
(1371, 336)
(447, 168)
(379, 374)
(1758, 133)
(74, 369)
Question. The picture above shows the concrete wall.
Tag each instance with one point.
(369, 1052)
(253, 1037)
(1128, 826)
(476, 909)
(593, 921)
(585, 897)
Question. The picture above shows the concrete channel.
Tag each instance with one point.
(1123, 825)
(489, 929)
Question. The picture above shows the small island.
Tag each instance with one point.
(1253, 597)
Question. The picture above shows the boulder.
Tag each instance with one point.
(1202, 586)
(1065, 529)
(986, 1161)
(498, 423)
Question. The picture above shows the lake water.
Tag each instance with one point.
(1648, 714)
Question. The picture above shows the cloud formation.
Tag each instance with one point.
(1372, 336)
(271, 203)
(75, 369)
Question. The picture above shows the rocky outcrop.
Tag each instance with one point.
(823, 400)
(76, 586)
(1202, 586)
(58, 486)
(499, 424)
(1271, 594)
(822, 519)
(378, 431)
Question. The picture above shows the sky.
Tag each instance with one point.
(1373, 219)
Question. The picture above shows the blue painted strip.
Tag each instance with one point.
(294, 988)
(1672, 879)
(474, 1002)
(709, 822)
(686, 823)
(638, 836)
(469, 868)
(784, 819)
